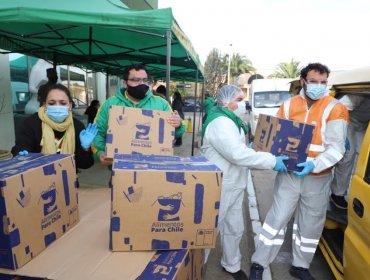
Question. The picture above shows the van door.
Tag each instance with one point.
(357, 234)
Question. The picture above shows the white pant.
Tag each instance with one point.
(231, 227)
(308, 197)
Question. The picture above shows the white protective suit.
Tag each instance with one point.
(224, 145)
(307, 196)
(359, 111)
(37, 78)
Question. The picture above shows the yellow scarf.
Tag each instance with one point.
(48, 137)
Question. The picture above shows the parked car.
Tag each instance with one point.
(189, 106)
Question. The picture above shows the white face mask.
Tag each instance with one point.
(241, 110)
(315, 92)
(57, 113)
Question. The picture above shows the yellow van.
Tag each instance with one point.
(345, 242)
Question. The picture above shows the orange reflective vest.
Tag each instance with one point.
(321, 112)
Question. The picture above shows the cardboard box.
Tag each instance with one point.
(283, 137)
(164, 203)
(83, 253)
(133, 130)
(176, 264)
(38, 204)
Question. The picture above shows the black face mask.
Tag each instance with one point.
(138, 92)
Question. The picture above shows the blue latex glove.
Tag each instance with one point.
(280, 166)
(308, 166)
(347, 145)
(23, 153)
(87, 135)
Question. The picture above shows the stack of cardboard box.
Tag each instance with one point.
(159, 201)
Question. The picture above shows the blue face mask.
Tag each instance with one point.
(315, 91)
(57, 113)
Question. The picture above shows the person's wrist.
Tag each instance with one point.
(98, 153)
(85, 146)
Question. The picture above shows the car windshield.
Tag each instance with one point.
(270, 99)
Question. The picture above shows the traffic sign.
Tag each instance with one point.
(183, 85)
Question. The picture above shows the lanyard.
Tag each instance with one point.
(58, 145)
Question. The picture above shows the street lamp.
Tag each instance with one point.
(228, 66)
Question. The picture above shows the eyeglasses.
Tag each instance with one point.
(312, 82)
(138, 80)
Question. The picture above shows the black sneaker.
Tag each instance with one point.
(239, 275)
(256, 272)
(339, 201)
(300, 273)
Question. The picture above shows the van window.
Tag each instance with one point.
(367, 174)
(270, 99)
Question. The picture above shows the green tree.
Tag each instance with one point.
(214, 71)
(287, 70)
(239, 64)
(216, 68)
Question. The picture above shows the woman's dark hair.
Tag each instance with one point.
(161, 89)
(94, 103)
(177, 99)
(55, 86)
(177, 95)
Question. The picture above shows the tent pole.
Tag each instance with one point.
(201, 108)
(87, 89)
(55, 61)
(195, 111)
(68, 78)
(28, 72)
(107, 86)
(168, 64)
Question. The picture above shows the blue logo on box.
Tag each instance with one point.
(51, 211)
(168, 214)
(170, 207)
(49, 197)
(142, 132)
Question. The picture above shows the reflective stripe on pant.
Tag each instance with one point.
(309, 197)
(231, 227)
(345, 167)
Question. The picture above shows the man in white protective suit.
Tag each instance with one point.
(224, 145)
(359, 113)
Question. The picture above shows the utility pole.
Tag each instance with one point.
(228, 67)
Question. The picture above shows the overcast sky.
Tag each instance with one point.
(333, 32)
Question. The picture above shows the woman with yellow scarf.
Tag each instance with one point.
(53, 129)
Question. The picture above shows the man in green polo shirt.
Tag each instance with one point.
(136, 94)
